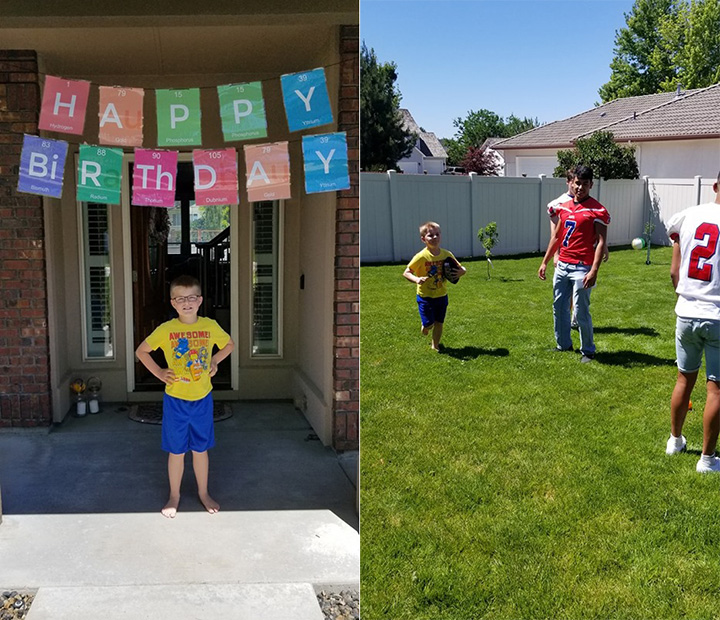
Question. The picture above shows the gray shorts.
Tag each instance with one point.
(692, 338)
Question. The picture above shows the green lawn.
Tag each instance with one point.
(502, 480)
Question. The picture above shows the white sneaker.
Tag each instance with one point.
(675, 444)
(708, 464)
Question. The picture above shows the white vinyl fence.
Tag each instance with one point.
(392, 207)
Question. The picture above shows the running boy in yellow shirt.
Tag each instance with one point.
(426, 270)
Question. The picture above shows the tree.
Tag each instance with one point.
(383, 141)
(482, 161)
(665, 43)
(607, 159)
(488, 237)
(480, 125)
(694, 38)
(212, 218)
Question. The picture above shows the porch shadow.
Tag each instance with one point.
(107, 463)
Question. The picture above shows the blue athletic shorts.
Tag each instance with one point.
(692, 338)
(187, 424)
(432, 309)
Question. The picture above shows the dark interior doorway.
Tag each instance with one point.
(167, 243)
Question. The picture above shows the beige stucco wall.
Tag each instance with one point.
(315, 344)
(676, 159)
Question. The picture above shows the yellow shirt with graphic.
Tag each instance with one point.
(424, 263)
(188, 349)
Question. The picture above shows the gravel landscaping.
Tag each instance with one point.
(15, 605)
(344, 605)
(340, 606)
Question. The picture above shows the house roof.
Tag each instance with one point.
(490, 143)
(690, 114)
(428, 142)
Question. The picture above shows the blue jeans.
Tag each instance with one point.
(567, 286)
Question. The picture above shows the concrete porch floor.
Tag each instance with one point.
(81, 519)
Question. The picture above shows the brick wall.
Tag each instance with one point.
(346, 372)
(24, 355)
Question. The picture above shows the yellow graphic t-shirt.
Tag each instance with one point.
(188, 349)
(426, 264)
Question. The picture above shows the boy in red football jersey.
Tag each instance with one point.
(581, 236)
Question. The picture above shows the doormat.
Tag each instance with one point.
(151, 413)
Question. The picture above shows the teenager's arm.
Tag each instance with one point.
(165, 375)
(591, 276)
(551, 248)
(220, 356)
(675, 264)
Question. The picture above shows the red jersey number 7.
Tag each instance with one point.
(703, 252)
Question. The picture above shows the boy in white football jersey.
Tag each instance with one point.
(695, 274)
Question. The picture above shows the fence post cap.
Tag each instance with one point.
(542, 176)
(472, 174)
(391, 172)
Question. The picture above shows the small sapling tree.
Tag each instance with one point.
(488, 237)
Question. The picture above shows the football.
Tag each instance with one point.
(450, 273)
(638, 243)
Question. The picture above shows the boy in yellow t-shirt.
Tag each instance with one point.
(187, 343)
(426, 270)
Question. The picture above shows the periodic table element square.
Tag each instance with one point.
(64, 104)
(267, 169)
(215, 177)
(306, 99)
(42, 166)
(154, 178)
(242, 111)
(178, 117)
(325, 162)
(99, 174)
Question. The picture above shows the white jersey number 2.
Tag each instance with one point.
(703, 252)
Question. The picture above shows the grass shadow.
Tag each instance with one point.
(631, 358)
(630, 331)
(503, 279)
(471, 353)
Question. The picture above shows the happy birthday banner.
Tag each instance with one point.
(242, 112)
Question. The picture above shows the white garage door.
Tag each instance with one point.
(535, 166)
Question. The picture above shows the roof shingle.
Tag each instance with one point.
(692, 114)
(432, 145)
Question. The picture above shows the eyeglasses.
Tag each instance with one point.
(191, 298)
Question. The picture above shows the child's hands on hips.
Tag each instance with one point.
(213, 368)
(167, 376)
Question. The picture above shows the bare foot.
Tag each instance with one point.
(210, 504)
(170, 509)
(425, 330)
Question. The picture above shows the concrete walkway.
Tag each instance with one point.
(81, 520)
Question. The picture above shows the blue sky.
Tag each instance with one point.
(542, 59)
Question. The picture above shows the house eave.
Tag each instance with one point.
(633, 139)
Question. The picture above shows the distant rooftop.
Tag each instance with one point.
(687, 114)
(428, 142)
